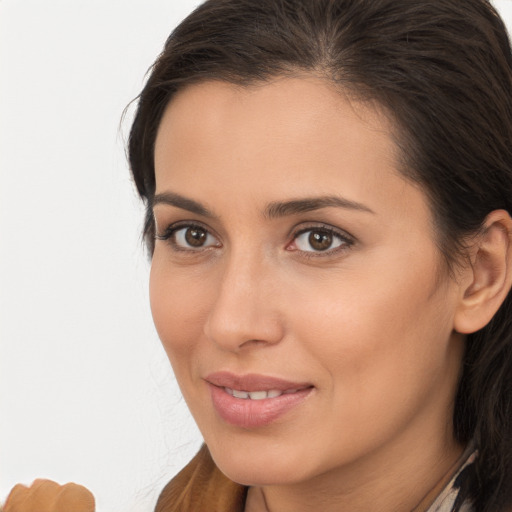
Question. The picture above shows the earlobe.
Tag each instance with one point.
(488, 279)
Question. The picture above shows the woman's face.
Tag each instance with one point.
(294, 262)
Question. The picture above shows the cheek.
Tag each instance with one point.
(383, 357)
(176, 308)
(378, 333)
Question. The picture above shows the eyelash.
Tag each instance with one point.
(170, 232)
(346, 240)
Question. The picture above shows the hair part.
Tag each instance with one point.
(442, 71)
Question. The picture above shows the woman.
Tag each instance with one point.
(327, 186)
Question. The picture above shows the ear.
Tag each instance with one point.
(487, 279)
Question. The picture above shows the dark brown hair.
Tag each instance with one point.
(442, 70)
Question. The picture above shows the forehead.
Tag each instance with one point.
(283, 107)
(287, 137)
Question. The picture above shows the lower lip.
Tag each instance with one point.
(247, 413)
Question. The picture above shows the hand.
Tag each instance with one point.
(48, 496)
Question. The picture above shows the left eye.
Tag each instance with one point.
(318, 240)
(194, 237)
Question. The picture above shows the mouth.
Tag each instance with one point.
(258, 395)
(253, 401)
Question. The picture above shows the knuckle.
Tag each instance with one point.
(74, 497)
(16, 498)
(49, 496)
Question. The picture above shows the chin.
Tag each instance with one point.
(252, 476)
(260, 466)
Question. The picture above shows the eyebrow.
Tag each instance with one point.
(308, 204)
(274, 210)
(171, 199)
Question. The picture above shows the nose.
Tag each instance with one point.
(245, 312)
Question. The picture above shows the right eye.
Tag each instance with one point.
(189, 237)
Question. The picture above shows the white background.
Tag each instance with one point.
(86, 393)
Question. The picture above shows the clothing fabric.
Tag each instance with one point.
(449, 500)
(202, 487)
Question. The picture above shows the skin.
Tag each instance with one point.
(48, 496)
(369, 323)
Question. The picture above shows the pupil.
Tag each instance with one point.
(320, 241)
(195, 237)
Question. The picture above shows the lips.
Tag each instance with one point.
(253, 382)
(251, 401)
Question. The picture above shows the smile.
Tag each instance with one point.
(258, 395)
(254, 401)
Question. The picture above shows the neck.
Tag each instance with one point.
(382, 483)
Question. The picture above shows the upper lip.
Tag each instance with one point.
(253, 382)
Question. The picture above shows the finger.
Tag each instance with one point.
(74, 498)
(42, 495)
(39, 497)
(48, 496)
(15, 499)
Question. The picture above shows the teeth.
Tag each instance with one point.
(240, 394)
(258, 395)
(255, 395)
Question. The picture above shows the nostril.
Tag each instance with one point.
(235, 332)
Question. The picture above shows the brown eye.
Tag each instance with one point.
(190, 238)
(320, 240)
(195, 236)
